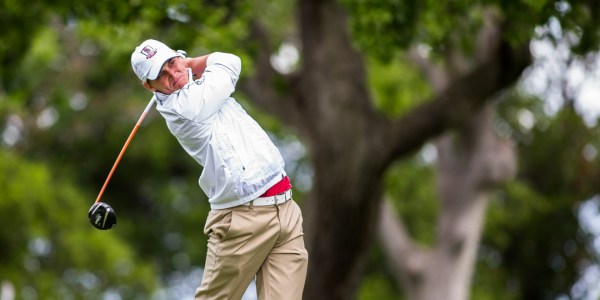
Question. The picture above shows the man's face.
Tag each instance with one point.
(172, 77)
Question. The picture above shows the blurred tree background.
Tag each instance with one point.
(325, 78)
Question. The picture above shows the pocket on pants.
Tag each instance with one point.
(218, 223)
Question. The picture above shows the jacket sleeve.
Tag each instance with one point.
(203, 98)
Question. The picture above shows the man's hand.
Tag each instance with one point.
(197, 64)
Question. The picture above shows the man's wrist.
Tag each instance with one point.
(197, 64)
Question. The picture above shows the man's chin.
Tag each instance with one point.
(181, 84)
(165, 92)
(175, 88)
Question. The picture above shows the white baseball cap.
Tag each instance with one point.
(148, 58)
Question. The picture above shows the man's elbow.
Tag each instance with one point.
(236, 63)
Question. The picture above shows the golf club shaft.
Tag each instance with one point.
(137, 125)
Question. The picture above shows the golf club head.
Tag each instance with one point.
(102, 216)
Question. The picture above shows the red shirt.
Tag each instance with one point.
(278, 188)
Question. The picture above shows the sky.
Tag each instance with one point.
(550, 72)
(554, 76)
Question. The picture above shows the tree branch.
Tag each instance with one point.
(435, 75)
(486, 43)
(461, 98)
(407, 260)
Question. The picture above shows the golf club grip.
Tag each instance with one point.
(135, 128)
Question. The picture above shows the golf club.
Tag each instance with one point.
(102, 215)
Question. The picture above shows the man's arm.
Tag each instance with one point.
(202, 98)
(197, 64)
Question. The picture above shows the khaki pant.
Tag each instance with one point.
(244, 241)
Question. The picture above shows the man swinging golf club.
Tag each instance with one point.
(254, 226)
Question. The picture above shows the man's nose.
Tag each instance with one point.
(171, 73)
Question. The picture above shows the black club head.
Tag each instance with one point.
(102, 216)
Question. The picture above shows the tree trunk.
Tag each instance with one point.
(341, 209)
(350, 143)
(470, 163)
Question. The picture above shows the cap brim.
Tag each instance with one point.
(159, 63)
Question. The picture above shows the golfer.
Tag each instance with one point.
(254, 227)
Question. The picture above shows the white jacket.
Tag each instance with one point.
(240, 161)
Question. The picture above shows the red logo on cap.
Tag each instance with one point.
(148, 51)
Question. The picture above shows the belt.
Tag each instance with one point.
(272, 200)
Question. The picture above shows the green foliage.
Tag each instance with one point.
(384, 27)
(411, 186)
(378, 288)
(532, 245)
(72, 59)
(536, 261)
(49, 245)
(397, 86)
(385, 24)
(379, 282)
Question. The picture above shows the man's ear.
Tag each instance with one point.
(148, 86)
